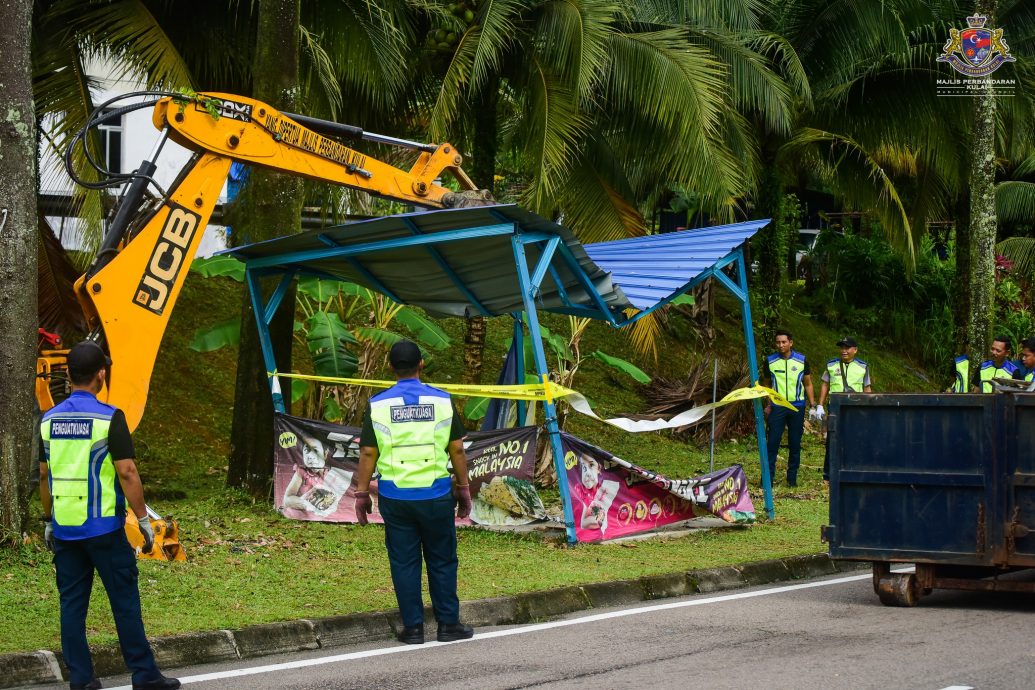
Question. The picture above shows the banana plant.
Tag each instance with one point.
(346, 328)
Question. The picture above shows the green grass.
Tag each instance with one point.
(246, 564)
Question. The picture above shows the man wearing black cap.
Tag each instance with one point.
(87, 476)
(411, 432)
(844, 374)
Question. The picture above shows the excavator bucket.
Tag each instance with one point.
(167, 537)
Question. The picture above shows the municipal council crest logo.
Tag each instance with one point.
(976, 51)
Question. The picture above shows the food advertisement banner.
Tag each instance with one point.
(612, 497)
(316, 463)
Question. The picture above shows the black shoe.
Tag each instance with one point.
(162, 683)
(411, 634)
(94, 684)
(451, 632)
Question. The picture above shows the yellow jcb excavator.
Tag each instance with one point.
(130, 290)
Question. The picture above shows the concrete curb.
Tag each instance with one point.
(19, 670)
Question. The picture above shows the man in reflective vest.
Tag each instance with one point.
(844, 374)
(961, 365)
(999, 366)
(87, 476)
(411, 433)
(788, 374)
(1028, 360)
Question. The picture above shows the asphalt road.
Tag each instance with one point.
(827, 633)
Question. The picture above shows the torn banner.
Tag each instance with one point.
(316, 462)
(611, 497)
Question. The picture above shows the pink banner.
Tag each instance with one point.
(612, 497)
(315, 464)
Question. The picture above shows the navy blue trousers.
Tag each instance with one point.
(413, 529)
(779, 418)
(116, 562)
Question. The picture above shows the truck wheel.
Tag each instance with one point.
(899, 589)
(880, 569)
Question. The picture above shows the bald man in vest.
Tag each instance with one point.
(411, 433)
(87, 477)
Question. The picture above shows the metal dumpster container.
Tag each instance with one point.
(945, 482)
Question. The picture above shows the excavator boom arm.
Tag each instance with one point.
(129, 294)
(252, 132)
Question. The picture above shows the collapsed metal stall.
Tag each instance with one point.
(466, 262)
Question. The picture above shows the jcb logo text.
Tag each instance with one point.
(166, 259)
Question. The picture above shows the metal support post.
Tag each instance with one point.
(519, 364)
(263, 316)
(749, 339)
(527, 292)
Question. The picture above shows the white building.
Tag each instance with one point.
(124, 145)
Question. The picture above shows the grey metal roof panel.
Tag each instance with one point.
(484, 265)
(455, 278)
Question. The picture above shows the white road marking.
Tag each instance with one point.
(958, 687)
(401, 649)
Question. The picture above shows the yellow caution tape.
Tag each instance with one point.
(548, 392)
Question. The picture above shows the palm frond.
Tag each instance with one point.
(595, 210)
(755, 86)
(368, 42)
(571, 37)
(1015, 201)
(860, 179)
(1020, 250)
(498, 29)
(669, 99)
(454, 82)
(731, 15)
(552, 128)
(644, 336)
(319, 68)
(129, 35)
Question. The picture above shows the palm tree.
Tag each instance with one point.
(606, 103)
(17, 251)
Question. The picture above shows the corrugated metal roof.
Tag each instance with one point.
(650, 269)
(477, 274)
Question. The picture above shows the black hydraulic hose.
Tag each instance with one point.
(98, 117)
(336, 129)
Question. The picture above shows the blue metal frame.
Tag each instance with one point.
(749, 340)
(528, 292)
(286, 265)
(519, 363)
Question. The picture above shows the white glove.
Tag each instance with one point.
(148, 533)
(813, 416)
(48, 534)
(820, 412)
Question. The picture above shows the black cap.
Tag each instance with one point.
(404, 355)
(847, 342)
(85, 360)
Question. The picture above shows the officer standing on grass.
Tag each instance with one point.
(1027, 374)
(788, 373)
(87, 476)
(844, 374)
(410, 433)
(999, 366)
